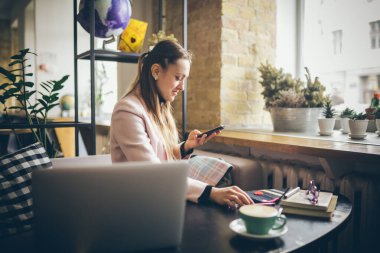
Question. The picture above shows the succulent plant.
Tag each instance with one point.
(347, 113)
(328, 111)
(359, 116)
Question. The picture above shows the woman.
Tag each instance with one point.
(143, 127)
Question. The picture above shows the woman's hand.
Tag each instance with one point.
(230, 196)
(193, 141)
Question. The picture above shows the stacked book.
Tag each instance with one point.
(299, 204)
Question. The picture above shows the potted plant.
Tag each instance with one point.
(345, 115)
(293, 105)
(358, 126)
(31, 109)
(371, 110)
(326, 124)
(377, 118)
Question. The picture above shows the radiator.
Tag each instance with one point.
(362, 190)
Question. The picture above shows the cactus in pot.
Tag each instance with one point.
(326, 124)
(358, 126)
(345, 115)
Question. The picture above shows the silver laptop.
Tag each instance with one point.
(109, 208)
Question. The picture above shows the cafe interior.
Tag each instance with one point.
(248, 58)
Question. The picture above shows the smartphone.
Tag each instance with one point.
(209, 132)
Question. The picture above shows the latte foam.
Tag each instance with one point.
(258, 211)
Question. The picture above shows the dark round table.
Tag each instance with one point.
(206, 229)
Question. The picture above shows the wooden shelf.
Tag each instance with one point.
(110, 55)
(47, 125)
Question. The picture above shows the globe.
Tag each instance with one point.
(111, 16)
(67, 102)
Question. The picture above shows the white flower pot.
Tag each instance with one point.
(344, 124)
(358, 127)
(326, 126)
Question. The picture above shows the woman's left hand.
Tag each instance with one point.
(193, 141)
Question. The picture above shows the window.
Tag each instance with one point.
(337, 41)
(348, 66)
(373, 34)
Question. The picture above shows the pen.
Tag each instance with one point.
(278, 199)
(291, 192)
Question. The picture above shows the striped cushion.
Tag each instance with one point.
(15, 187)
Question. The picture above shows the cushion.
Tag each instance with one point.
(247, 173)
(16, 213)
(210, 170)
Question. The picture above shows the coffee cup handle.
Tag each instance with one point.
(280, 222)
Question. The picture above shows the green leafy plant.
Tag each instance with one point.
(347, 113)
(359, 116)
(289, 98)
(35, 107)
(313, 91)
(328, 111)
(273, 81)
(276, 84)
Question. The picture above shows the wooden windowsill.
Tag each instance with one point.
(327, 148)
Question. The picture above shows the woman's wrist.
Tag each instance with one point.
(205, 196)
(186, 145)
(184, 151)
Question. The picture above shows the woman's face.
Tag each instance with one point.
(170, 81)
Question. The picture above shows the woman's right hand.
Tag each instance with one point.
(194, 141)
(230, 196)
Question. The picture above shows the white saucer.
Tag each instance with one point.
(325, 133)
(239, 228)
(357, 136)
(343, 132)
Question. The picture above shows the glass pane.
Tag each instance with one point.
(341, 47)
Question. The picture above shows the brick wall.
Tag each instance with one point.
(5, 42)
(229, 39)
(248, 39)
(204, 85)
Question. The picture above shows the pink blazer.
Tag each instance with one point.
(134, 137)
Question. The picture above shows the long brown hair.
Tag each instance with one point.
(164, 53)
